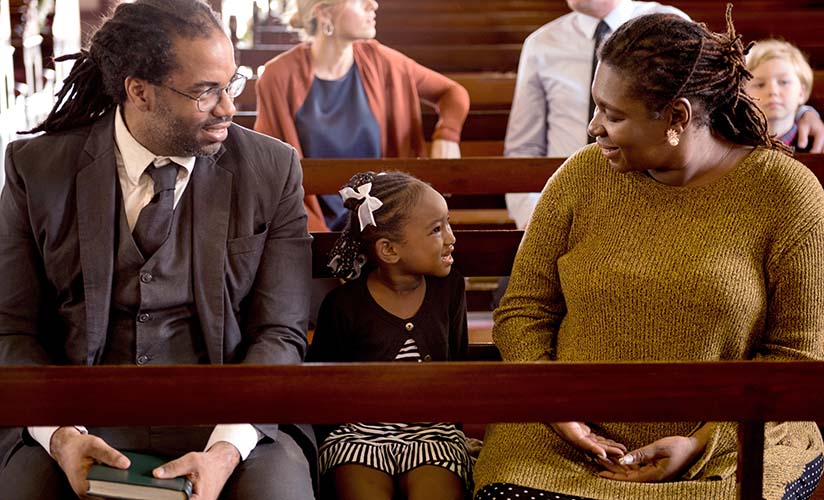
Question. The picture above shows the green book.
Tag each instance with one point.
(137, 482)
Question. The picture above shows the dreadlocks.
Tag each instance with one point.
(135, 42)
(667, 57)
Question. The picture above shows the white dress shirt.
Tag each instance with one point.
(551, 101)
(132, 159)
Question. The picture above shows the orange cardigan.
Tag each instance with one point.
(394, 85)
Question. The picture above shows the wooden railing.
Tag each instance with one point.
(488, 175)
(750, 393)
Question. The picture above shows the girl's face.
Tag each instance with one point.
(778, 92)
(354, 19)
(428, 241)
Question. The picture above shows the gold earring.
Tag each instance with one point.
(328, 29)
(672, 137)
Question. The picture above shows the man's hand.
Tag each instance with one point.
(75, 453)
(810, 125)
(581, 436)
(662, 460)
(208, 471)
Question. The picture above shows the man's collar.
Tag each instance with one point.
(136, 157)
(618, 16)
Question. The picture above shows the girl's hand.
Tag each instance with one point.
(662, 460)
(445, 149)
(579, 435)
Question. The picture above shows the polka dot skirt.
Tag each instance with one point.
(506, 491)
(800, 489)
(803, 487)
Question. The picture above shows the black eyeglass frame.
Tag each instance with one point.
(214, 90)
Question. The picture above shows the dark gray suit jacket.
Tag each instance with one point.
(251, 252)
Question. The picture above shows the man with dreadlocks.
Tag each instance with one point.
(686, 233)
(144, 228)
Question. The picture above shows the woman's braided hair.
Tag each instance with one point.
(666, 57)
(399, 192)
(135, 42)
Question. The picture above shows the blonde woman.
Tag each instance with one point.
(341, 94)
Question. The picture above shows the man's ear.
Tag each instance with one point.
(386, 252)
(140, 93)
(680, 114)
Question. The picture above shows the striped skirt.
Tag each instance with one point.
(398, 448)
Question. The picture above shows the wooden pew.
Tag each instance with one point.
(454, 36)
(444, 59)
(750, 393)
(491, 99)
(488, 90)
(434, 7)
(463, 176)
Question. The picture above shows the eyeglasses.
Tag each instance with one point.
(208, 100)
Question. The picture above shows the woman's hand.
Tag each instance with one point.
(662, 460)
(579, 435)
(445, 149)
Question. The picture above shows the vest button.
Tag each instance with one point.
(146, 277)
(144, 317)
(142, 359)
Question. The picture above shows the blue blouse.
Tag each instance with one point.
(335, 121)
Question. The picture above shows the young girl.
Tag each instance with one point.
(405, 303)
(781, 84)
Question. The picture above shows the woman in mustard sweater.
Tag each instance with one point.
(685, 234)
(344, 95)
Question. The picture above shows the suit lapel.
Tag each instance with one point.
(211, 197)
(96, 220)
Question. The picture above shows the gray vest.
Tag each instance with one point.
(153, 318)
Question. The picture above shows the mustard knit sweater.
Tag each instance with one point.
(619, 267)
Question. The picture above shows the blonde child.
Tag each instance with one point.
(781, 84)
(404, 302)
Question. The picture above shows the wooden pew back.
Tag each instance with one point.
(748, 392)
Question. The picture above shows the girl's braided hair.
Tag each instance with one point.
(399, 192)
(666, 57)
(135, 42)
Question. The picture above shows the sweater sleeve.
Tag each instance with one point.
(449, 98)
(794, 331)
(527, 321)
(795, 311)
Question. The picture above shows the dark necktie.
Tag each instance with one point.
(600, 33)
(155, 219)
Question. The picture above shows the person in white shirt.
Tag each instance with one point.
(550, 109)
